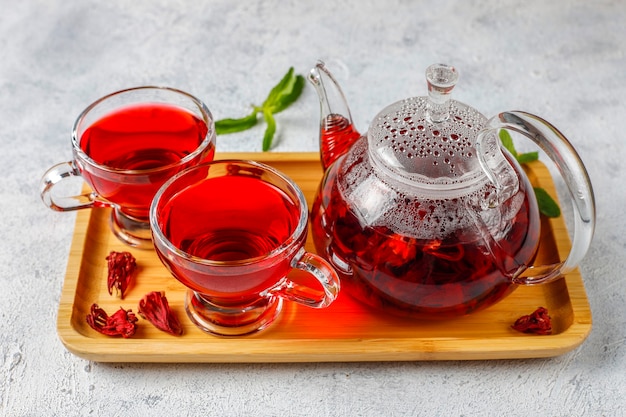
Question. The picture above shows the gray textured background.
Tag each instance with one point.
(563, 60)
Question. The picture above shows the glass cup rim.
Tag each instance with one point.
(284, 248)
(84, 158)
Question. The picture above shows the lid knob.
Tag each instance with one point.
(441, 80)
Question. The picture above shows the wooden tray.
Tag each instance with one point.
(346, 331)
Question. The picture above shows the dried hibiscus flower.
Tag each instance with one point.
(121, 323)
(121, 266)
(538, 322)
(155, 308)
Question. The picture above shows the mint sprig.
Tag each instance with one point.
(281, 96)
(547, 206)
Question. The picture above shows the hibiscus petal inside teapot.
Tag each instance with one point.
(426, 215)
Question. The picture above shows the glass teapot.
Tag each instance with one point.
(426, 215)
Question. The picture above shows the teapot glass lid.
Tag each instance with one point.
(429, 140)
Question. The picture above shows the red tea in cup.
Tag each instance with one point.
(125, 146)
(142, 137)
(232, 232)
(253, 221)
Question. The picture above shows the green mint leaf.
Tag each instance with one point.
(507, 141)
(524, 158)
(290, 93)
(278, 89)
(269, 131)
(225, 126)
(281, 96)
(547, 206)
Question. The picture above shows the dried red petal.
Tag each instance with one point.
(121, 267)
(155, 308)
(121, 323)
(539, 322)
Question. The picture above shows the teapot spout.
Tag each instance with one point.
(337, 132)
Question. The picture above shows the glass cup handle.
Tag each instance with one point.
(54, 176)
(304, 294)
(573, 172)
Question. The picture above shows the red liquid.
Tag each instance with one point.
(141, 137)
(231, 218)
(338, 135)
(417, 277)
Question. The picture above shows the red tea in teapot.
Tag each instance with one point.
(339, 134)
(426, 214)
(430, 278)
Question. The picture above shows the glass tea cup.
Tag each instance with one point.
(233, 232)
(125, 146)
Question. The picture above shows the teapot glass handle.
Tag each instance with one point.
(573, 172)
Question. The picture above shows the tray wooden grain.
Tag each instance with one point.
(346, 331)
